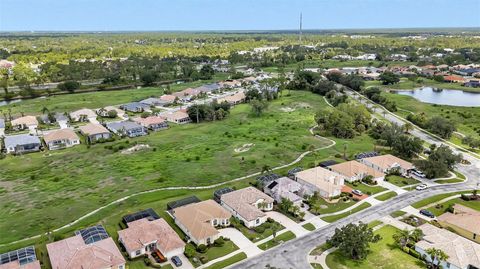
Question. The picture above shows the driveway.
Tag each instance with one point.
(185, 263)
(63, 124)
(243, 243)
(289, 224)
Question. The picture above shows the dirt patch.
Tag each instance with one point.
(287, 109)
(244, 148)
(135, 148)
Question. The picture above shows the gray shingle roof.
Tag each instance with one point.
(127, 125)
(23, 139)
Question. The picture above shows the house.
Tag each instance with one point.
(328, 184)
(354, 171)
(179, 117)
(24, 258)
(2, 127)
(168, 98)
(23, 143)
(464, 221)
(127, 128)
(386, 163)
(153, 123)
(285, 188)
(154, 102)
(453, 79)
(144, 236)
(135, 107)
(265, 179)
(26, 122)
(89, 248)
(83, 114)
(106, 111)
(233, 99)
(217, 195)
(198, 221)
(59, 139)
(94, 132)
(149, 214)
(248, 205)
(472, 83)
(462, 253)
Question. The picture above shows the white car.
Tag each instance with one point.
(357, 192)
(418, 173)
(421, 187)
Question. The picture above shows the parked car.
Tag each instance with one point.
(421, 187)
(427, 213)
(176, 260)
(418, 173)
(357, 192)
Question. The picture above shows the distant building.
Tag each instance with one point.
(59, 139)
(23, 143)
(94, 132)
(127, 128)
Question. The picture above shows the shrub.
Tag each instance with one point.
(259, 229)
(219, 242)
(465, 197)
(190, 250)
(203, 259)
(202, 248)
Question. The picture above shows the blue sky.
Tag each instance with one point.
(157, 15)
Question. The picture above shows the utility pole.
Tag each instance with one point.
(300, 32)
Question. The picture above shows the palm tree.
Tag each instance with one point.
(275, 227)
(45, 110)
(404, 237)
(437, 255)
(407, 127)
(266, 168)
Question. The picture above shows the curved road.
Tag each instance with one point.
(293, 254)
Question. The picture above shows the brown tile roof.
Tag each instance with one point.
(196, 217)
(142, 232)
(461, 251)
(61, 134)
(26, 120)
(93, 129)
(322, 178)
(243, 202)
(149, 120)
(354, 168)
(168, 97)
(83, 112)
(177, 115)
(237, 97)
(16, 265)
(73, 253)
(463, 217)
(388, 160)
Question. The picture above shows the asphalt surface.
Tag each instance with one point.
(293, 254)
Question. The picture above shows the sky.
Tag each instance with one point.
(184, 15)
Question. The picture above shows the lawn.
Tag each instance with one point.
(435, 198)
(215, 252)
(375, 223)
(384, 254)
(386, 196)
(309, 227)
(331, 207)
(397, 214)
(367, 189)
(401, 181)
(47, 190)
(440, 209)
(253, 234)
(359, 208)
(234, 259)
(284, 237)
(451, 180)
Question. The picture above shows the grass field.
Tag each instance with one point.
(309, 227)
(440, 210)
(334, 218)
(286, 236)
(386, 196)
(384, 254)
(435, 198)
(234, 259)
(370, 190)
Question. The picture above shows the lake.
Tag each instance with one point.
(444, 96)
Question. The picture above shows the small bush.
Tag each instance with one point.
(202, 248)
(259, 229)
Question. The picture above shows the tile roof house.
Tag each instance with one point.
(179, 117)
(154, 123)
(168, 98)
(285, 188)
(233, 99)
(22, 143)
(144, 236)
(24, 122)
(354, 171)
(385, 163)
(462, 253)
(198, 220)
(104, 112)
(135, 107)
(248, 205)
(75, 253)
(83, 114)
(94, 132)
(127, 128)
(453, 79)
(318, 179)
(154, 101)
(464, 220)
(59, 139)
(24, 258)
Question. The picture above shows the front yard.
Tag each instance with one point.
(384, 254)
(277, 240)
(213, 252)
(366, 189)
(334, 218)
(386, 196)
(260, 232)
(401, 181)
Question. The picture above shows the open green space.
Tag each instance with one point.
(440, 208)
(367, 189)
(234, 259)
(284, 237)
(359, 208)
(309, 227)
(384, 254)
(435, 198)
(386, 196)
(401, 181)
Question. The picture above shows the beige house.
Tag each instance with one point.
(327, 183)
(354, 171)
(144, 236)
(385, 163)
(233, 99)
(464, 220)
(198, 221)
(178, 117)
(83, 115)
(248, 205)
(154, 123)
(59, 139)
(168, 98)
(94, 132)
(25, 122)
(462, 253)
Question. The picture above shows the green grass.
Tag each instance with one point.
(374, 223)
(309, 227)
(440, 210)
(384, 254)
(234, 259)
(214, 253)
(316, 266)
(284, 237)
(320, 249)
(367, 189)
(334, 218)
(451, 180)
(386, 196)
(137, 264)
(255, 236)
(401, 181)
(435, 198)
(397, 214)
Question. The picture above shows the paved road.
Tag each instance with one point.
(293, 254)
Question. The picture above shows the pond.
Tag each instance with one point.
(444, 96)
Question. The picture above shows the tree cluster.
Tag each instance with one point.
(347, 121)
(441, 160)
(375, 95)
(208, 112)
